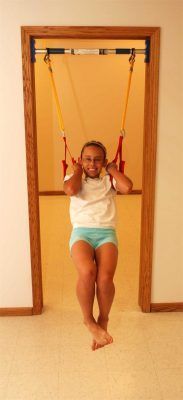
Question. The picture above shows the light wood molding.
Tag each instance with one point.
(149, 171)
(32, 172)
(90, 32)
(149, 147)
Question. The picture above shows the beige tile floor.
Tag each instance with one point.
(48, 356)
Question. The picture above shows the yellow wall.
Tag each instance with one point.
(15, 269)
(92, 91)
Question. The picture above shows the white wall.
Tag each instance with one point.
(15, 273)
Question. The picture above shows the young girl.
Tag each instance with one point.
(93, 241)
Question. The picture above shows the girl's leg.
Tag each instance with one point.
(83, 257)
(106, 259)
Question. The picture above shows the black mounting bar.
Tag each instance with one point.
(88, 51)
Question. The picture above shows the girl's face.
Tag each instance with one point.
(93, 161)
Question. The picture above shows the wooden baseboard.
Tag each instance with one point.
(51, 193)
(16, 312)
(166, 307)
(27, 311)
(61, 192)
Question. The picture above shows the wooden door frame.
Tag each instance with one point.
(149, 144)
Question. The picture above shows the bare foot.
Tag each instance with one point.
(103, 324)
(95, 345)
(100, 336)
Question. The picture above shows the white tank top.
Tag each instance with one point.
(94, 205)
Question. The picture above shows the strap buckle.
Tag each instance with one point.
(122, 132)
(47, 58)
(132, 59)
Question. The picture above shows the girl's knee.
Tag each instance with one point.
(104, 281)
(87, 274)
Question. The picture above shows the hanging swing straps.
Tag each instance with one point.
(59, 111)
(131, 61)
(119, 154)
(47, 60)
(122, 130)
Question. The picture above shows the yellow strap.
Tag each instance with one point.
(59, 112)
(58, 108)
(132, 60)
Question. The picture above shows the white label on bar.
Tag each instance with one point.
(85, 51)
(40, 51)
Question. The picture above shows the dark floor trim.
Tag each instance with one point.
(166, 307)
(16, 311)
(62, 193)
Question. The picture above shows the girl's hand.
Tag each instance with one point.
(77, 167)
(111, 166)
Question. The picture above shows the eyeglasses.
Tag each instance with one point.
(96, 160)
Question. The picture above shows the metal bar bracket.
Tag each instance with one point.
(33, 50)
(147, 51)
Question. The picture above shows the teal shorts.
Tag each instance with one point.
(94, 236)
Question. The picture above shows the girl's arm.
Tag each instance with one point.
(123, 183)
(73, 185)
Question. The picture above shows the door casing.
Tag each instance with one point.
(149, 144)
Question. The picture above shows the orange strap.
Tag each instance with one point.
(131, 61)
(59, 115)
(122, 130)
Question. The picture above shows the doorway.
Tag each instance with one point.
(149, 145)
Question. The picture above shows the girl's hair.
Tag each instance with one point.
(94, 143)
